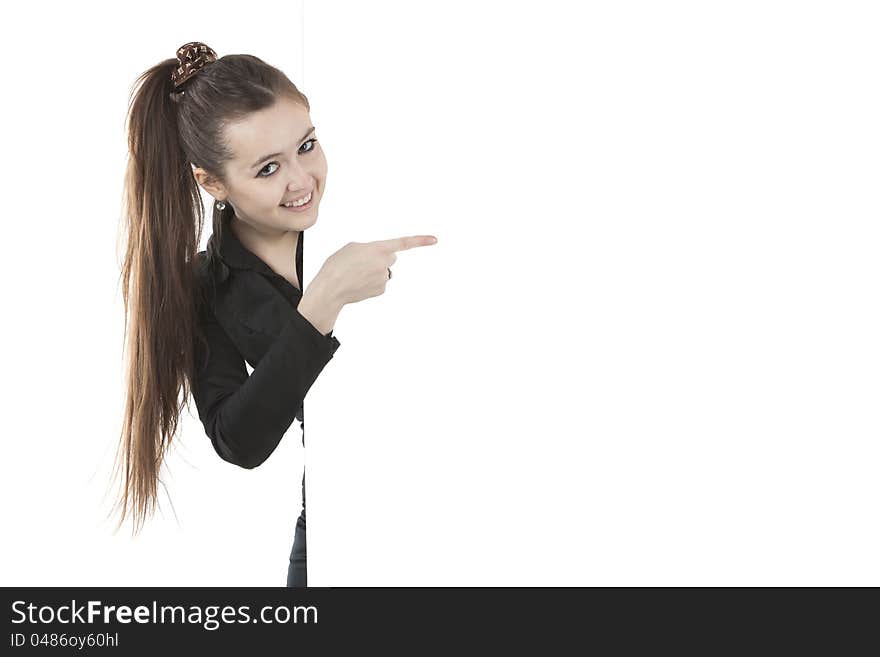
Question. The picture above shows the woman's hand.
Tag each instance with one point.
(359, 270)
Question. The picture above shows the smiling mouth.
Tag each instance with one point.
(308, 203)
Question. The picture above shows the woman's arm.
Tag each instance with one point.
(319, 307)
(246, 416)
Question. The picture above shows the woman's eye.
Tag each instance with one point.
(308, 150)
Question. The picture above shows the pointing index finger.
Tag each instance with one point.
(409, 242)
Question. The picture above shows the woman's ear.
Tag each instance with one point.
(210, 184)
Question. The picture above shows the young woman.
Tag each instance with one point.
(238, 128)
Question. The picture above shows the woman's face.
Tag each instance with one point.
(277, 159)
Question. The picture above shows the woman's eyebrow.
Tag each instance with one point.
(266, 157)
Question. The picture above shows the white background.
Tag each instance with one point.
(643, 352)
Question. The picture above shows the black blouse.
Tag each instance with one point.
(249, 314)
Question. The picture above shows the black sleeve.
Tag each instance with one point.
(245, 416)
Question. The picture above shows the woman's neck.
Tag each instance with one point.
(276, 248)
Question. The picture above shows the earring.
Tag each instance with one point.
(221, 205)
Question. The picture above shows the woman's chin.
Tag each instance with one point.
(303, 220)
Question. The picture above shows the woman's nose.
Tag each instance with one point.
(300, 181)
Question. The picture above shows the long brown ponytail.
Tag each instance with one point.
(163, 217)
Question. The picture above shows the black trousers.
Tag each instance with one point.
(296, 571)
